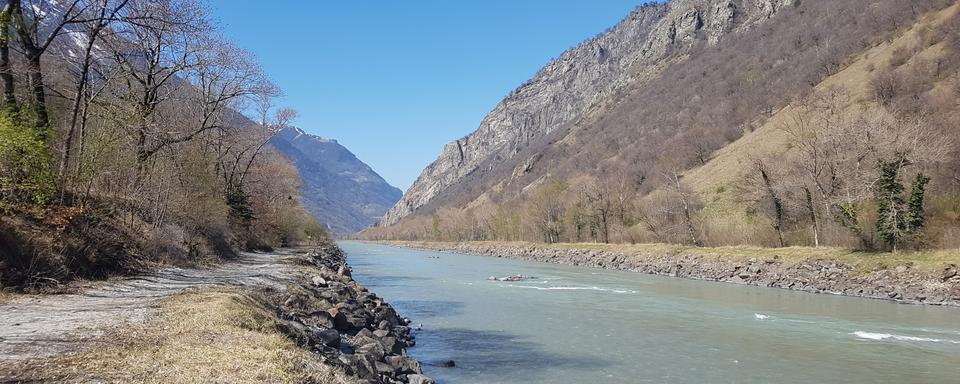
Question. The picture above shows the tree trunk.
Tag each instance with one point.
(75, 112)
(82, 139)
(6, 75)
(813, 216)
(777, 203)
(691, 231)
(35, 80)
(32, 52)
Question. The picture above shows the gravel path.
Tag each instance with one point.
(44, 325)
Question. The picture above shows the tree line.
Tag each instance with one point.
(876, 174)
(134, 114)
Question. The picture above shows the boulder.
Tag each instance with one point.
(419, 379)
(356, 321)
(370, 347)
(383, 368)
(404, 364)
(327, 337)
(447, 364)
(949, 272)
(319, 281)
(340, 320)
(391, 345)
(323, 319)
(364, 334)
(366, 367)
(294, 301)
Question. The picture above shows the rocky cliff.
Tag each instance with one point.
(345, 193)
(582, 81)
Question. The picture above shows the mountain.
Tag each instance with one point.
(681, 101)
(345, 194)
(582, 81)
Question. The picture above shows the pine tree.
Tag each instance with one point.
(891, 223)
(915, 219)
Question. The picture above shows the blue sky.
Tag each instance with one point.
(395, 80)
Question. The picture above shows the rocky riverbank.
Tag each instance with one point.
(903, 282)
(328, 312)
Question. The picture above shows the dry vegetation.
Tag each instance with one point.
(776, 137)
(198, 337)
(121, 143)
(931, 262)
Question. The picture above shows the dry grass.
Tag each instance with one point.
(6, 296)
(731, 162)
(927, 261)
(220, 336)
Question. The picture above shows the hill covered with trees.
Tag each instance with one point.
(121, 144)
(719, 122)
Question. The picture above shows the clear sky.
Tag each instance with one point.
(395, 80)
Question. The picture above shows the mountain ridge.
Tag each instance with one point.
(345, 193)
(581, 79)
(625, 168)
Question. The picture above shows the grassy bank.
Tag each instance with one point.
(864, 262)
(202, 336)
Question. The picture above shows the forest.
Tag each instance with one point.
(125, 142)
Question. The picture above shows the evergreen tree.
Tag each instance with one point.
(915, 219)
(891, 222)
(898, 218)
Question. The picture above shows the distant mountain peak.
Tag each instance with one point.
(294, 133)
(344, 192)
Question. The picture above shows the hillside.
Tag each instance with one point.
(345, 194)
(653, 130)
(582, 81)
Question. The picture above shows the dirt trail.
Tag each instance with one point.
(46, 325)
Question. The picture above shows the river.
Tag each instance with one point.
(584, 325)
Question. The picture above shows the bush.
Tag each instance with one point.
(25, 171)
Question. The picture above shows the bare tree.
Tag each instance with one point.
(775, 199)
(546, 210)
(156, 46)
(34, 42)
(102, 14)
(683, 199)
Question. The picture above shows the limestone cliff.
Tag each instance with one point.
(581, 80)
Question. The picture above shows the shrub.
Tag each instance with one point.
(25, 171)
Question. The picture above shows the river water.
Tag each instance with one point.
(584, 325)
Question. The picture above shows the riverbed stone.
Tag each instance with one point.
(340, 308)
(419, 379)
(369, 346)
(949, 272)
(404, 364)
(319, 281)
(447, 364)
(327, 337)
(322, 319)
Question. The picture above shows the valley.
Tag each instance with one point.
(729, 191)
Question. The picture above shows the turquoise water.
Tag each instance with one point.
(576, 325)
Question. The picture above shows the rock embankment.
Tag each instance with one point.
(333, 315)
(901, 283)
